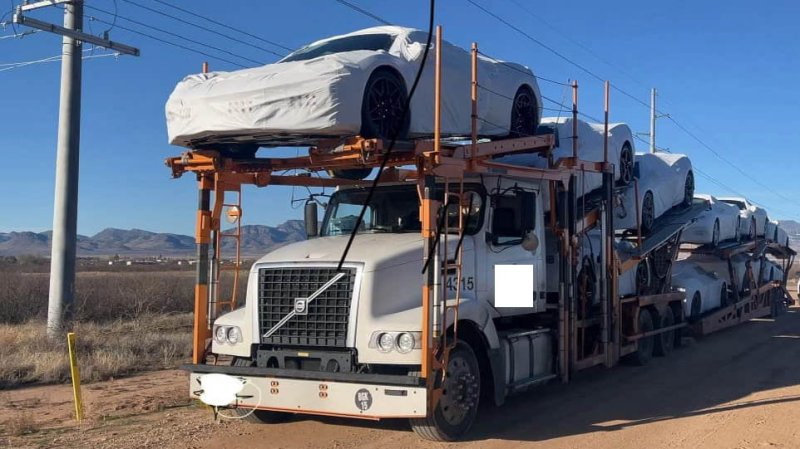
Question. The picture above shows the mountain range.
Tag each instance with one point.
(256, 240)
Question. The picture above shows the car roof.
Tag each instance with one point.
(387, 29)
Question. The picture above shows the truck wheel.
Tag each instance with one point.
(458, 406)
(664, 342)
(254, 415)
(644, 351)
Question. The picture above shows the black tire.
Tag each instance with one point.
(738, 235)
(696, 306)
(625, 165)
(688, 190)
(458, 406)
(752, 234)
(723, 296)
(524, 113)
(356, 174)
(254, 415)
(715, 234)
(648, 213)
(643, 279)
(644, 350)
(665, 342)
(383, 106)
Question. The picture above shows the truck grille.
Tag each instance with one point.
(326, 322)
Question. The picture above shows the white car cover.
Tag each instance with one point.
(290, 102)
(697, 282)
(722, 216)
(662, 175)
(751, 214)
(775, 233)
(590, 148)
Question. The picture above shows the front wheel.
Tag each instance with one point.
(456, 410)
(524, 113)
(665, 341)
(648, 213)
(644, 350)
(383, 109)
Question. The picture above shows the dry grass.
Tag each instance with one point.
(105, 350)
(21, 424)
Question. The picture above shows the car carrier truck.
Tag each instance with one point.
(409, 325)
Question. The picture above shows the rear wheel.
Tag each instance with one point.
(456, 410)
(383, 108)
(648, 213)
(625, 165)
(688, 189)
(255, 415)
(643, 279)
(524, 113)
(644, 350)
(696, 307)
(752, 234)
(715, 234)
(664, 342)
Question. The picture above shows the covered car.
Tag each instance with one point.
(347, 85)
(719, 266)
(705, 290)
(771, 271)
(754, 218)
(590, 148)
(719, 223)
(665, 180)
(775, 233)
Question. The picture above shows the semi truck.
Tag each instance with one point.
(411, 323)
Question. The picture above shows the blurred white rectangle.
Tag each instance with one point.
(513, 285)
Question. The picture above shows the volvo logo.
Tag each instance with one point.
(300, 306)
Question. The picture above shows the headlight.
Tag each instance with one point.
(386, 342)
(220, 334)
(405, 342)
(234, 335)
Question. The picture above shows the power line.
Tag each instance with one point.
(363, 11)
(218, 23)
(164, 41)
(51, 59)
(720, 157)
(161, 30)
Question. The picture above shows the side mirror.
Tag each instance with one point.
(530, 242)
(310, 217)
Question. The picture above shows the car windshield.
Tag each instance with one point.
(373, 42)
(393, 209)
(739, 204)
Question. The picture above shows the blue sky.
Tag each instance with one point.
(728, 75)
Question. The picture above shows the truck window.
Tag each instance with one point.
(393, 209)
(512, 217)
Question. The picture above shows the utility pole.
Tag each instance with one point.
(65, 208)
(653, 120)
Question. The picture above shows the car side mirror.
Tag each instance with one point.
(310, 217)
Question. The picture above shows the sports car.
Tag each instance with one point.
(347, 85)
(590, 148)
(720, 268)
(774, 233)
(720, 222)
(754, 218)
(665, 180)
(705, 290)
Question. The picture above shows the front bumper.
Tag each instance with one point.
(364, 396)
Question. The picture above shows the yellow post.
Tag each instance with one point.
(76, 376)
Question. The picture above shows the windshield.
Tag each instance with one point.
(373, 42)
(393, 209)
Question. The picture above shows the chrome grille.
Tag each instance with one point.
(325, 324)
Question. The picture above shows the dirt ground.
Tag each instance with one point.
(737, 389)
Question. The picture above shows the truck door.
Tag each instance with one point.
(515, 236)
